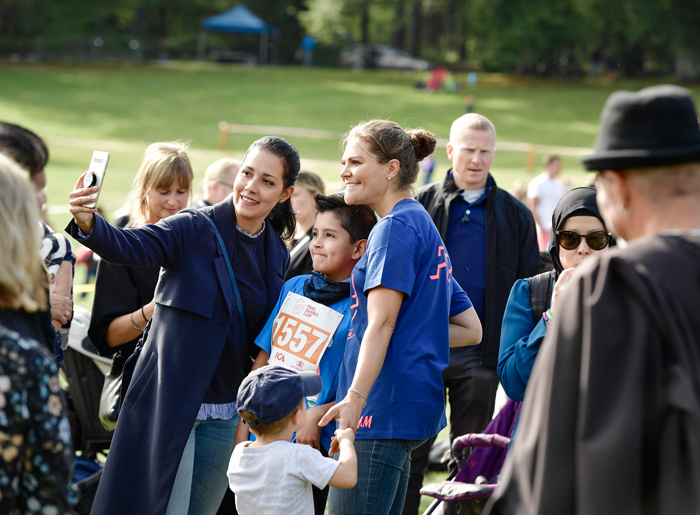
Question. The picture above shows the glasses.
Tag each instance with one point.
(570, 240)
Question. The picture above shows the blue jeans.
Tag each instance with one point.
(201, 479)
(382, 477)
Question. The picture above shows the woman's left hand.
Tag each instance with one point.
(347, 412)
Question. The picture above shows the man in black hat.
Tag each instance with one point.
(611, 419)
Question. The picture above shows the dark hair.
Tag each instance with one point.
(356, 220)
(282, 216)
(24, 146)
(387, 140)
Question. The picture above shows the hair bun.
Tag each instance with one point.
(423, 142)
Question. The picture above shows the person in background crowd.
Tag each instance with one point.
(30, 151)
(490, 236)
(611, 421)
(178, 421)
(309, 185)
(407, 312)
(218, 182)
(543, 193)
(36, 462)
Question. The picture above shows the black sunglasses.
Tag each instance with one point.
(570, 240)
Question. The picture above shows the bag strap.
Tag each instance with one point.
(540, 293)
(236, 293)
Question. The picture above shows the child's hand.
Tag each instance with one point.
(310, 434)
(344, 434)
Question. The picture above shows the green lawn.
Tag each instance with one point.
(142, 104)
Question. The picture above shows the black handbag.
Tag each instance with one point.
(115, 386)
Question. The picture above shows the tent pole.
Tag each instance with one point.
(201, 44)
(264, 39)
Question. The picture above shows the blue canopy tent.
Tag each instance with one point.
(239, 20)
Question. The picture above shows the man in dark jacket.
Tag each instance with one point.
(491, 239)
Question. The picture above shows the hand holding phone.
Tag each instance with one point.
(95, 174)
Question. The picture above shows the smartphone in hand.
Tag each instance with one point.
(96, 173)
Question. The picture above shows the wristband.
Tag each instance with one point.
(359, 394)
(547, 315)
(143, 314)
(133, 324)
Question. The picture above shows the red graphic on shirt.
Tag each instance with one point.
(443, 265)
(354, 296)
(365, 421)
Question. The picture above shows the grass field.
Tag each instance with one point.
(142, 104)
(138, 105)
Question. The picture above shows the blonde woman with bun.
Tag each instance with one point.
(407, 312)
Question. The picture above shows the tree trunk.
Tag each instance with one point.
(364, 22)
(398, 37)
(416, 19)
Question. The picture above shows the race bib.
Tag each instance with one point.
(301, 333)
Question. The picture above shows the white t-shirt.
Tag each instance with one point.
(277, 478)
(547, 191)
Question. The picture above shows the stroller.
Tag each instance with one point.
(478, 474)
(84, 370)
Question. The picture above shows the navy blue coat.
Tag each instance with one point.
(195, 307)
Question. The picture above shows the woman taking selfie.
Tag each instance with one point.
(124, 302)
(176, 429)
(407, 312)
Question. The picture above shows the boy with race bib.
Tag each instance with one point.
(309, 326)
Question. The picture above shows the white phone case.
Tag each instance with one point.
(96, 174)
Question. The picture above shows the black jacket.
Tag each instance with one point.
(511, 250)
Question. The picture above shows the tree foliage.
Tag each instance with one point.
(628, 36)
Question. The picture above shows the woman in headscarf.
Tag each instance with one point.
(578, 231)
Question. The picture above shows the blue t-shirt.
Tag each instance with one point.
(332, 358)
(405, 253)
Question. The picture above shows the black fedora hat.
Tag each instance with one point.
(657, 126)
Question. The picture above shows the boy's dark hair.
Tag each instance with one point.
(357, 220)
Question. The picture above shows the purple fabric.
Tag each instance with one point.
(487, 461)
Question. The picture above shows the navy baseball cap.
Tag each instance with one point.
(273, 392)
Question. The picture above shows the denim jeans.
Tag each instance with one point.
(382, 477)
(201, 479)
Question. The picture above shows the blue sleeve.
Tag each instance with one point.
(264, 339)
(391, 253)
(459, 302)
(159, 244)
(521, 337)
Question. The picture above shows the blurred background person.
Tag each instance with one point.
(123, 302)
(309, 184)
(543, 193)
(36, 462)
(30, 151)
(218, 182)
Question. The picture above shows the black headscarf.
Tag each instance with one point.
(576, 202)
